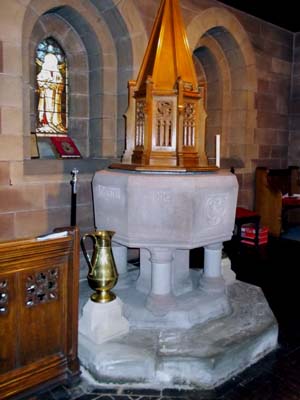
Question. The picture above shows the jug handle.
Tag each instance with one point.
(85, 253)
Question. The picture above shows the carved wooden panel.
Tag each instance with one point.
(38, 312)
(4, 296)
(41, 287)
(7, 323)
(140, 123)
(43, 312)
(189, 124)
(164, 121)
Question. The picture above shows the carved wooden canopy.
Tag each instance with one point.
(166, 116)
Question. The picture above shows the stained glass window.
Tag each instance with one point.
(52, 89)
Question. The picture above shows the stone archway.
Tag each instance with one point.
(110, 63)
(222, 45)
(218, 82)
(50, 24)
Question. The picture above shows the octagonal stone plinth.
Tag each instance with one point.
(203, 356)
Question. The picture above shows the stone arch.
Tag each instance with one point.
(136, 29)
(218, 82)
(108, 76)
(77, 60)
(217, 34)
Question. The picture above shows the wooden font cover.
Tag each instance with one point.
(166, 116)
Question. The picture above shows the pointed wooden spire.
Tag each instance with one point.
(166, 116)
(168, 55)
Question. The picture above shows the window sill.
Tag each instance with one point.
(36, 167)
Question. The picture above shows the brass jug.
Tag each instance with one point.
(102, 275)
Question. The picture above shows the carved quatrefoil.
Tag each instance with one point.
(41, 287)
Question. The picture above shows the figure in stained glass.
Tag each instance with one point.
(51, 88)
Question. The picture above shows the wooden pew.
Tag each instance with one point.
(275, 191)
(39, 282)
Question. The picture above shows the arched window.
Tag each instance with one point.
(52, 89)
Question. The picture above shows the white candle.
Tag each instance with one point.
(218, 151)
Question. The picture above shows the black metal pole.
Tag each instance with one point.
(74, 173)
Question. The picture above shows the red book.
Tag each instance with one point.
(65, 147)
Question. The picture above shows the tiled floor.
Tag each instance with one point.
(275, 268)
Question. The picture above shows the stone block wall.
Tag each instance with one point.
(294, 121)
(273, 48)
(1, 56)
(253, 102)
(35, 195)
(36, 205)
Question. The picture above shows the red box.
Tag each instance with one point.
(250, 229)
(248, 234)
(253, 236)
